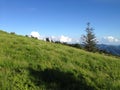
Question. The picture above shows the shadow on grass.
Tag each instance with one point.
(56, 80)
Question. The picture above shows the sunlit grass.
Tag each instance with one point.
(30, 64)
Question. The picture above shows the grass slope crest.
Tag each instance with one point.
(30, 64)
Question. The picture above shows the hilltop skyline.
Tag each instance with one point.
(64, 19)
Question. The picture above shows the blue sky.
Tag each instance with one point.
(66, 18)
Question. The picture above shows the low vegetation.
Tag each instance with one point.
(30, 64)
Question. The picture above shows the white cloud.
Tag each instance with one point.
(111, 39)
(35, 34)
(65, 39)
(54, 38)
(62, 38)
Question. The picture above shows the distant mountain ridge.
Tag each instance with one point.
(109, 49)
(112, 49)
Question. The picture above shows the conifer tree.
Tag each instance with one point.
(89, 40)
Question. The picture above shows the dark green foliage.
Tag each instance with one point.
(58, 42)
(47, 39)
(26, 35)
(76, 45)
(89, 40)
(12, 32)
(34, 37)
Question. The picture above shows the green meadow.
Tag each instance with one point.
(30, 64)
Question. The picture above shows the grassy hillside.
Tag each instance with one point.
(31, 64)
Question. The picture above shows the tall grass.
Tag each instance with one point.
(30, 64)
